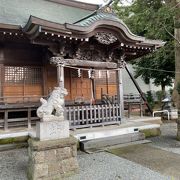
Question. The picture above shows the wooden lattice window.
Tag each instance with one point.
(23, 74)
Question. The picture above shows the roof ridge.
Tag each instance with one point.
(76, 4)
(88, 16)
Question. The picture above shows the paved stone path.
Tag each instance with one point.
(161, 155)
(162, 161)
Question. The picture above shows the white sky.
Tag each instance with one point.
(102, 1)
(92, 1)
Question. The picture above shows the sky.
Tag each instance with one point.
(93, 1)
(102, 1)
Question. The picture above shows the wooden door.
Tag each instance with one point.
(80, 87)
(76, 87)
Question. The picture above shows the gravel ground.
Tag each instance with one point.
(167, 141)
(97, 166)
(105, 166)
(13, 164)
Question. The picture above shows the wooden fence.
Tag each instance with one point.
(93, 115)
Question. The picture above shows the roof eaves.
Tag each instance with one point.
(90, 26)
(9, 26)
(156, 43)
(41, 22)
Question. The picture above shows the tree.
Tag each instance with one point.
(176, 93)
(176, 6)
(152, 19)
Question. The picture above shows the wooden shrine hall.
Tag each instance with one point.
(83, 47)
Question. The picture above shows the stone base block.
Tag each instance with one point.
(151, 132)
(50, 130)
(54, 159)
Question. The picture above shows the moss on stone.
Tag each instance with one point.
(78, 145)
(178, 137)
(151, 132)
(14, 140)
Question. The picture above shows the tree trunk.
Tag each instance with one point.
(177, 63)
(177, 68)
(163, 91)
(175, 5)
(176, 96)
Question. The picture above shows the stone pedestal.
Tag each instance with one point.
(52, 159)
(51, 130)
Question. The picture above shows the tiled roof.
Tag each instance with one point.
(17, 12)
(87, 21)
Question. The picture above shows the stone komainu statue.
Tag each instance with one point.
(54, 105)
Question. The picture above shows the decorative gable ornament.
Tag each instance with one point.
(105, 38)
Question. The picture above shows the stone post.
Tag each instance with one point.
(53, 153)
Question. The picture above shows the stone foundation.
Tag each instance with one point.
(52, 159)
(151, 132)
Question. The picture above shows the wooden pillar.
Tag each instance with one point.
(59, 62)
(60, 75)
(1, 77)
(120, 91)
(107, 88)
(120, 94)
(44, 80)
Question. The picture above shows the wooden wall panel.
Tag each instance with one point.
(14, 90)
(68, 87)
(51, 78)
(112, 90)
(35, 90)
(21, 93)
(22, 54)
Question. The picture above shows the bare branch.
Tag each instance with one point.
(171, 35)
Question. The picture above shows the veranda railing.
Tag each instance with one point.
(93, 115)
(78, 116)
